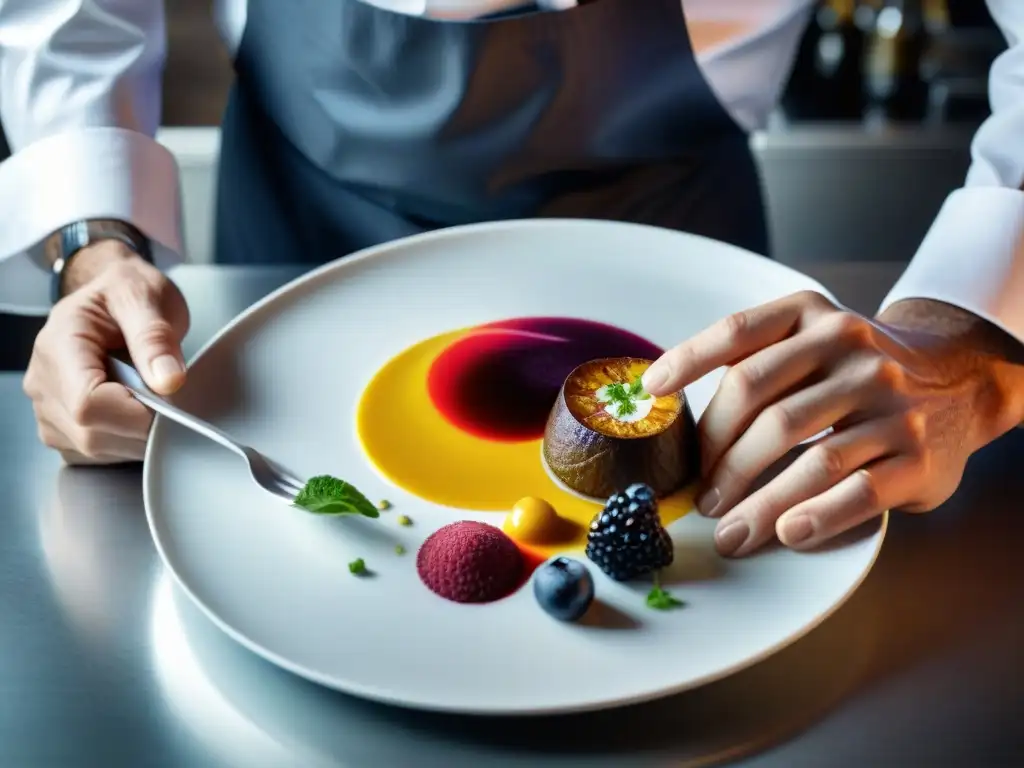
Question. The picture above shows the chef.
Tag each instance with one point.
(354, 122)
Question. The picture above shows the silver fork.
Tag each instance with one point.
(269, 476)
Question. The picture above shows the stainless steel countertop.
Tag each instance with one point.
(103, 663)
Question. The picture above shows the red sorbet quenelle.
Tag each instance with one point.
(470, 562)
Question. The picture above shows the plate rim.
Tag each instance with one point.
(385, 697)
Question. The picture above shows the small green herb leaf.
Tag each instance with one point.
(399, 549)
(637, 391)
(660, 600)
(357, 567)
(625, 408)
(326, 495)
(616, 392)
(623, 398)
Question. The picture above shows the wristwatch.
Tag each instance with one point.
(62, 246)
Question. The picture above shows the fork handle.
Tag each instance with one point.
(125, 374)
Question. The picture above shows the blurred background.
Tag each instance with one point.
(923, 61)
(872, 132)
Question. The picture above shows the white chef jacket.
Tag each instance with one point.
(80, 103)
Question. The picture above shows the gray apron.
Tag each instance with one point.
(350, 125)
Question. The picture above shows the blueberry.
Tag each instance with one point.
(564, 588)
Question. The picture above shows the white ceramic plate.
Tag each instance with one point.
(286, 376)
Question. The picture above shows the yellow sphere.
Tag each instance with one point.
(533, 521)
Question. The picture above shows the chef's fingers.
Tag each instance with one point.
(824, 464)
(867, 493)
(112, 409)
(153, 318)
(77, 447)
(84, 404)
(764, 378)
(776, 431)
(126, 455)
(730, 340)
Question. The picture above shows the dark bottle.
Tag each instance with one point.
(969, 14)
(827, 77)
(899, 87)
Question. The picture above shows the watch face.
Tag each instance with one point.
(73, 238)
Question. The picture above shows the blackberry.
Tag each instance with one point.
(626, 538)
(641, 492)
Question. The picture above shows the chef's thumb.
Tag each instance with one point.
(152, 336)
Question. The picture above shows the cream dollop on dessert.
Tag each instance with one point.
(605, 432)
(625, 403)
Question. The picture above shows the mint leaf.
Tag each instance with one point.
(327, 495)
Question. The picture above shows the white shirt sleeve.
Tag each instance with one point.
(80, 84)
(973, 255)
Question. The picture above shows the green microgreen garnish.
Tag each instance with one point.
(326, 495)
(625, 408)
(623, 399)
(660, 599)
(613, 393)
(636, 390)
(357, 567)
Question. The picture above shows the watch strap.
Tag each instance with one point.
(69, 240)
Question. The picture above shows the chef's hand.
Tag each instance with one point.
(114, 300)
(910, 395)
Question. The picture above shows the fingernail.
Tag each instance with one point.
(707, 502)
(654, 377)
(166, 369)
(731, 537)
(795, 530)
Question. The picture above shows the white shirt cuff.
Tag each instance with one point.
(95, 173)
(973, 258)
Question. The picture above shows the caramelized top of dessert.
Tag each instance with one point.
(606, 396)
